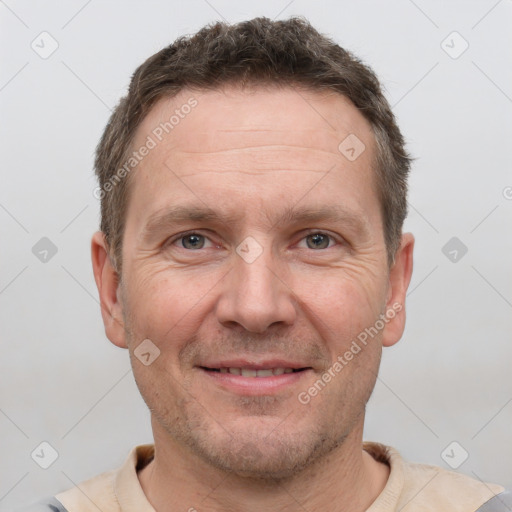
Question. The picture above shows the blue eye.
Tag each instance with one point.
(318, 241)
(193, 241)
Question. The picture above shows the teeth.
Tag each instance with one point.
(244, 372)
(264, 373)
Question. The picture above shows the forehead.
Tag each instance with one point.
(257, 145)
(254, 111)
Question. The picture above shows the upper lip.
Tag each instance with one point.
(252, 364)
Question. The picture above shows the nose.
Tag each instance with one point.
(255, 295)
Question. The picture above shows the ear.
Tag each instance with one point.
(399, 279)
(107, 281)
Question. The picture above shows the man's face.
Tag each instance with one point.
(253, 244)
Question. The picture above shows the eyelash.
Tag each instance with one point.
(181, 236)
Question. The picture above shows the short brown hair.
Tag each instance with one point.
(259, 51)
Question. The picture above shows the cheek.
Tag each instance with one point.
(341, 303)
(341, 297)
(164, 305)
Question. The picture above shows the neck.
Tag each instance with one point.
(347, 479)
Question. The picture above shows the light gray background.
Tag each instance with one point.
(63, 382)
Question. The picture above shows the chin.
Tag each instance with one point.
(273, 457)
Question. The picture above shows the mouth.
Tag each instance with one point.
(249, 379)
(254, 372)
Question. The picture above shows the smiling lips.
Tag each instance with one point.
(249, 378)
(251, 372)
(248, 368)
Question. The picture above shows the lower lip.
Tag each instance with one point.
(252, 386)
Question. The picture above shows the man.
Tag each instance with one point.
(251, 259)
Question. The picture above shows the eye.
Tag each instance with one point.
(318, 240)
(192, 241)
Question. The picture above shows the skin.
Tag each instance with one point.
(254, 155)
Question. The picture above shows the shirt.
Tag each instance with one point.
(410, 487)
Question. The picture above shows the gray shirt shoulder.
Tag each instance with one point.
(500, 503)
(46, 505)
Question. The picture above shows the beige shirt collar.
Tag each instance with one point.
(131, 497)
(127, 487)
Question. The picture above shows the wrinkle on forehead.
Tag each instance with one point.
(324, 119)
(245, 138)
(254, 160)
(277, 136)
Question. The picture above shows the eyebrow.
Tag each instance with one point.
(337, 214)
(291, 216)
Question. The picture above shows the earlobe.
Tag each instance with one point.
(399, 279)
(107, 282)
